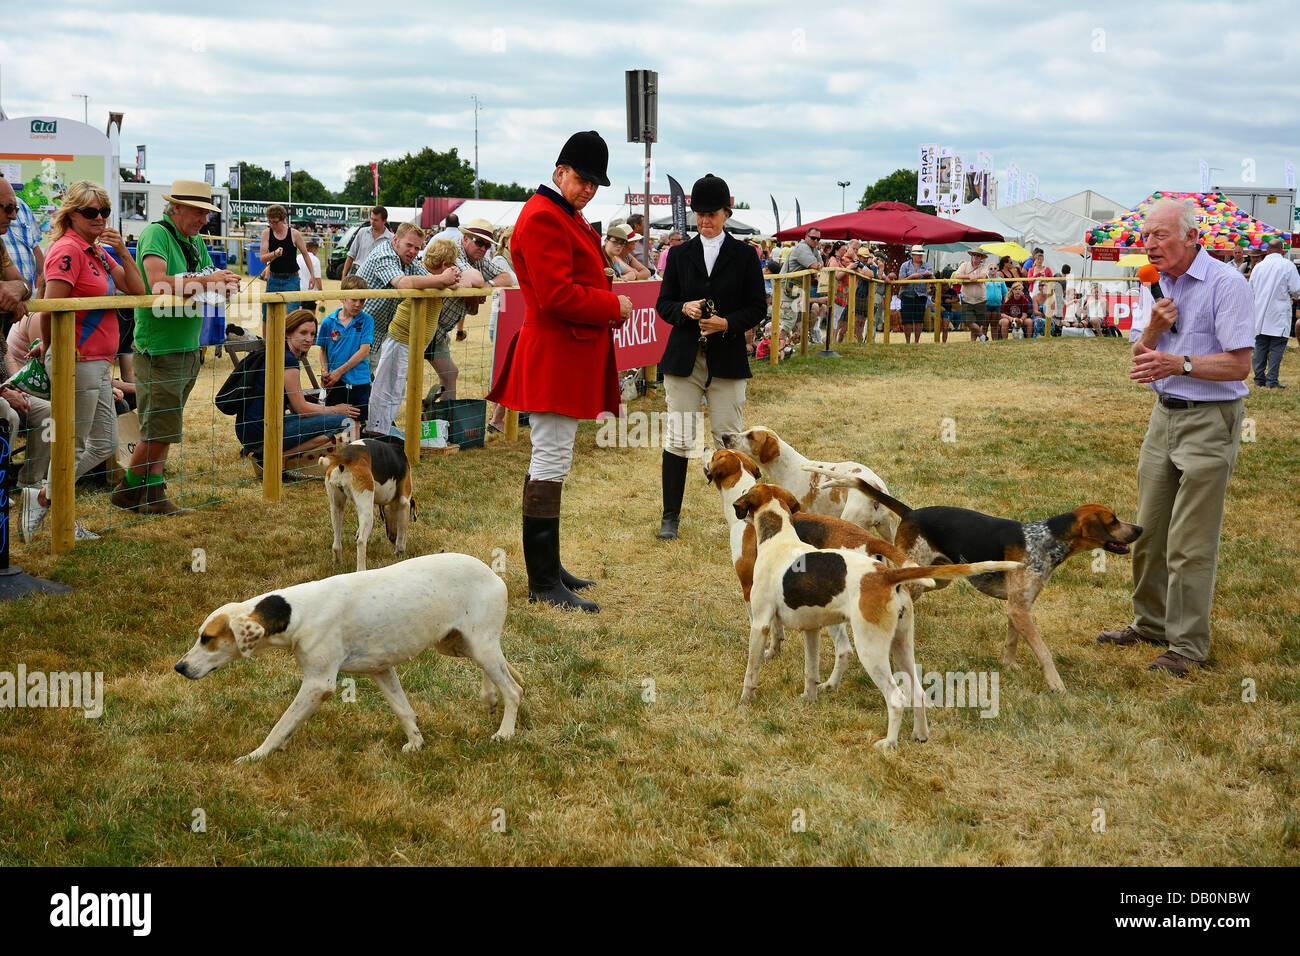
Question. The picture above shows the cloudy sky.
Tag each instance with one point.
(782, 98)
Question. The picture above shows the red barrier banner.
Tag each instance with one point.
(638, 342)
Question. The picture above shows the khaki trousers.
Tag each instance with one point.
(726, 405)
(1183, 470)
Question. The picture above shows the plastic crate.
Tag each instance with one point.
(466, 419)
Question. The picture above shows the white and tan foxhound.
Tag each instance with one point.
(367, 622)
(373, 472)
(810, 588)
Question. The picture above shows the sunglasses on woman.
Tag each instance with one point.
(95, 212)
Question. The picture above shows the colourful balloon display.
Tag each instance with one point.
(1223, 225)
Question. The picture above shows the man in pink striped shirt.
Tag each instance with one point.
(1194, 352)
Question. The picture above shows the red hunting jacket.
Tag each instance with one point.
(562, 359)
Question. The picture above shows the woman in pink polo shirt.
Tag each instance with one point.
(77, 267)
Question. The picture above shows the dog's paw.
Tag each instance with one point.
(503, 735)
(253, 757)
(919, 737)
(829, 684)
(412, 746)
(885, 745)
(810, 693)
(1056, 686)
(1010, 663)
(338, 553)
(747, 695)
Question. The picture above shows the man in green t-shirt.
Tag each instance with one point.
(167, 339)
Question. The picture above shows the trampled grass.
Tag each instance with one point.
(1186, 772)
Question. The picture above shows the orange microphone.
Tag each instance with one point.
(1151, 276)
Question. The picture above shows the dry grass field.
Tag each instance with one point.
(1186, 772)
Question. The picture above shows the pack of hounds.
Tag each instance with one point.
(814, 544)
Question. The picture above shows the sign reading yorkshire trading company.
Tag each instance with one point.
(927, 176)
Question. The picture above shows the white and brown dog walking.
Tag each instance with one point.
(367, 622)
(372, 472)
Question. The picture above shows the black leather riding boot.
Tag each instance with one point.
(674, 481)
(570, 581)
(542, 547)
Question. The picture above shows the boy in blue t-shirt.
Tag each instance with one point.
(345, 338)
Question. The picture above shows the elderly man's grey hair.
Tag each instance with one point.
(1188, 220)
(169, 210)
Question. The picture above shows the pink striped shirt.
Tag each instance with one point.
(1216, 313)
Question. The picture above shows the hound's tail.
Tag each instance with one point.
(924, 575)
(839, 480)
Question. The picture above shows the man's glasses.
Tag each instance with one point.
(481, 243)
(10, 210)
(95, 212)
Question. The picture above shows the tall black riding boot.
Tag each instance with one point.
(570, 581)
(674, 480)
(542, 547)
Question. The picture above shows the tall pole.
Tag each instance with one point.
(842, 184)
(477, 107)
(85, 106)
(645, 226)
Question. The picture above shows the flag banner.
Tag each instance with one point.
(775, 215)
(374, 172)
(234, 177)
(1205, 176)
(798, 214)
(287, 174)
(679, 206)
(1290, 174)
(210, 174)
(139, 158)
(927, 174)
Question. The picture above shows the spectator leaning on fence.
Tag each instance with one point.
(14, 289)
(391, 372)
(913, 293)
(392, 264)
(974, 295)
(307, 425)
(78, 268)
(280, 246)
(476, 241)
(367, 239)
(25, 247)
(344, 338)
(167, 339)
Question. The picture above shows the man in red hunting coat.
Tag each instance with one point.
(560, 366)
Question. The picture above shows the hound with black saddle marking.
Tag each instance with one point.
(958, 534)
(810, 588)
(367, 622)
(372, 472)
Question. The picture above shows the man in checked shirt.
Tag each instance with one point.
(1194, 353)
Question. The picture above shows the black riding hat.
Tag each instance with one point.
(588, 154)
(709, 194)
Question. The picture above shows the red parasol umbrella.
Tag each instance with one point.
(891, 222)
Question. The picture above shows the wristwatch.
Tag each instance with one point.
(1187, 365)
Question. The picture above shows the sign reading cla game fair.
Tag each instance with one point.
(638, 342)
(47, 154)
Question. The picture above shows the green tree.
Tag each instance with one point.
(512, 193)
(741, 204)
(261, 184)
(307, 188)
(898, 186)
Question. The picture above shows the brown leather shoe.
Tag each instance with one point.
(123, 496)
(1173, 662)
(1127, 637)
(156, 501)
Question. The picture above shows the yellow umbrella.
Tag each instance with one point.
(1133, 260)
(1013, 249)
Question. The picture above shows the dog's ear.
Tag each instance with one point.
(764, 444)
(746, 503)
(789, 500)
(247, 634)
